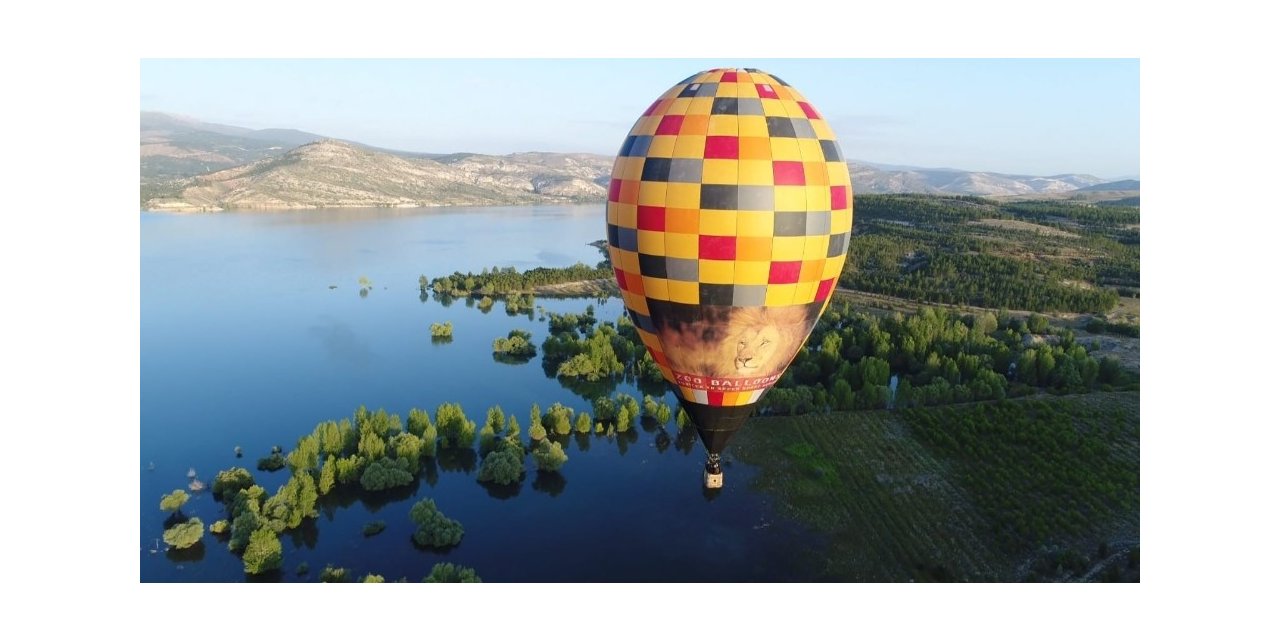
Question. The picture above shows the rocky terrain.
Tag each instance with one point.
(189, 165)
(329, 173)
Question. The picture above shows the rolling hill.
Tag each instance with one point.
(187, 164)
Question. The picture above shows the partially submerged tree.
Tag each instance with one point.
(264, 552)
(449, 572)
(173, 502)
(184, 535)
(434, 528)
(549, 456)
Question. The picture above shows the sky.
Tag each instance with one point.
(1034, 116)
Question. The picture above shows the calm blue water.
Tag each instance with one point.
(244, 342)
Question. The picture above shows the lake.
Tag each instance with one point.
(254, 329)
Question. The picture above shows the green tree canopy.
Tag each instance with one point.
(503, 466)
(549, 456)
(386, 474)
(264, 552)
(230, 481)
(434, 528)
(184, 535)
(174, 501)
(449, 572)
(455, 428)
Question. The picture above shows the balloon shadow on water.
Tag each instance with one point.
(551, 483)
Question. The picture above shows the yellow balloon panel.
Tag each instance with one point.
(730, 209)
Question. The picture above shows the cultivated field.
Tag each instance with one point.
(897, 506)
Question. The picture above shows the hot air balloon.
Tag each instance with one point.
(729, 213)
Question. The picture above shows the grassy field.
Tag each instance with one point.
(1033, 489)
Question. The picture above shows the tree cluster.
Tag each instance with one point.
(434, 528)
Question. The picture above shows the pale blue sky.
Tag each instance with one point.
(1012, 116)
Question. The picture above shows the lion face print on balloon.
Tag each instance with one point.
(733, 342)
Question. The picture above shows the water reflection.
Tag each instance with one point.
(285, 349)
(662, 441)
(685, 440)
(341, 343)
(305, 535)
(194, 553)
(506, 358)
(625, 439)
(453, 459)
(431, 471)
(502, 491)
(551, 483)
(344, 496)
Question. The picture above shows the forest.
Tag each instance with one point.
(935, 356)
(1031, 256)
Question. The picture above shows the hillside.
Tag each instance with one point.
(338, 174)
(871, 178)
(174, 150)
(174, 147)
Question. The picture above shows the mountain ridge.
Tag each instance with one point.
(187, 164)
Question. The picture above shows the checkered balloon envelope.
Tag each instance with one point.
(729, 213)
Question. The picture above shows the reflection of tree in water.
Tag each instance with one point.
(431, 471)
(423, 297)
(625, 440)
(502, 491)
(441, 339)
(662, 441)
(506, 358)
(551, 483)
(685, 440)
(583, 440)
(456, 459)
(344, 496)
(649, 387)
(275, 575)
(588, 391)
(444, 299)
(305, 535)
(193, 553)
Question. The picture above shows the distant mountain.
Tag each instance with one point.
(1119, 185)
(872, 178)
(186, 163)
(329, 173)
(177, 147)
